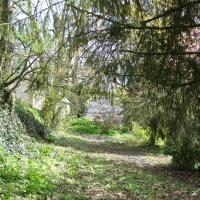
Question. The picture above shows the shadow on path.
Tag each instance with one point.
(82, 143)
(144, 157)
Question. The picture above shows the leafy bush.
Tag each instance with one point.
(185, 153)
(141, 134)
(31, 119)
(124, 129)
(88, 126)
(106, 127)
(83, 125)
(12, 134)
(183, 141)
(138, 136)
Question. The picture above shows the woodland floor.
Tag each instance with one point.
(100, 167)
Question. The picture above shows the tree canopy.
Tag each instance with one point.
(147, 49)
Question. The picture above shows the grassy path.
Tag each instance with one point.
(97, 167)
(80, 167)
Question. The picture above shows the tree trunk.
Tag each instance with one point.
(5, 49)
(154, 129)
(5, 17)
(6, 99)
(152, 139)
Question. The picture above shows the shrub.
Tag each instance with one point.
(183, 143)
(83, 125)
(31, 119)
(185, 152)
(104, 126)
(124, 129)
(12, 134)
(138, 136)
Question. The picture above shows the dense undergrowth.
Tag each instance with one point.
(13, 135)
(20, 127)
(22, 176)
(24, 166)
(31, 119)
(138, 135)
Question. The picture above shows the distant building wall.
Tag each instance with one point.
(101, 109)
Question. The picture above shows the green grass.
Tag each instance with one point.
(97, 172)
(21, 176)
(81, 167)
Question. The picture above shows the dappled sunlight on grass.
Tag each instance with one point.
(112, 149)
(91, 173)
(75, 167)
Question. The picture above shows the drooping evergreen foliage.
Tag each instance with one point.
(153, 49)
(147, 48)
